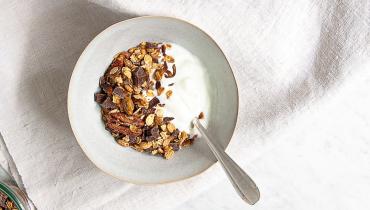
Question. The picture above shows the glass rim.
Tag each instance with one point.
(12, 195)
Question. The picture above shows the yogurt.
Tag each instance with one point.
(190, 90)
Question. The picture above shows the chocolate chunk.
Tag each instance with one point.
(171, 84)
(175, 133)
(107, 88)
(167, 119)
(153, 102)
(151, 45)
(165, 66)
(100, 97)
(154, 132)
(132, 139)
(175, 146)
(163, 50)
(126, 54)
(102, 80)
(148, 111)
(108, 104)
(120, 92)
(157, 85)
(140, 76)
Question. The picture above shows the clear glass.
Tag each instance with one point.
(9, 187)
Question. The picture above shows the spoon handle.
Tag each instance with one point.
(242, 183)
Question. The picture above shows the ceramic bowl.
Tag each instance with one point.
(126, 163)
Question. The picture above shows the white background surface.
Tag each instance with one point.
(302, 68)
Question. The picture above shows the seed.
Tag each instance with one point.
(169, 94)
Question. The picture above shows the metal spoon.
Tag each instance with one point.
(242, 183)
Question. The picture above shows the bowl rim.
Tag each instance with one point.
(69, 99)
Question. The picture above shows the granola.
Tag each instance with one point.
(6, 203)
(130, 107)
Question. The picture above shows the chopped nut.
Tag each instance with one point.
(123, 143)
(166, 142)
(160, 150)
(163, 135)
(168, 154)
(158, 120)
(169, 59)
(163, 127)
(183, 135)
(145, 145)
(150, 93)
(128, 88)
(129, 105)
(159, 112)
(114, 70)
(148, 59)
(170, 127)
(118, 80)
(116, 99)
(169, 94)
(127, 73)
(160, 91)
(154, 152)
(158, 75)
(201, 116)
(149, 119)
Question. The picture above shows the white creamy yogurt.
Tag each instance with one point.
(190, 90)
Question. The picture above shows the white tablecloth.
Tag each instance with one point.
(292, 60)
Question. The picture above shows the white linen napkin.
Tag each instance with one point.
(286, 55)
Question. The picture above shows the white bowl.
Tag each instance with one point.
(126, 163)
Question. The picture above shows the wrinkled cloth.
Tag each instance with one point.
(290, 59)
